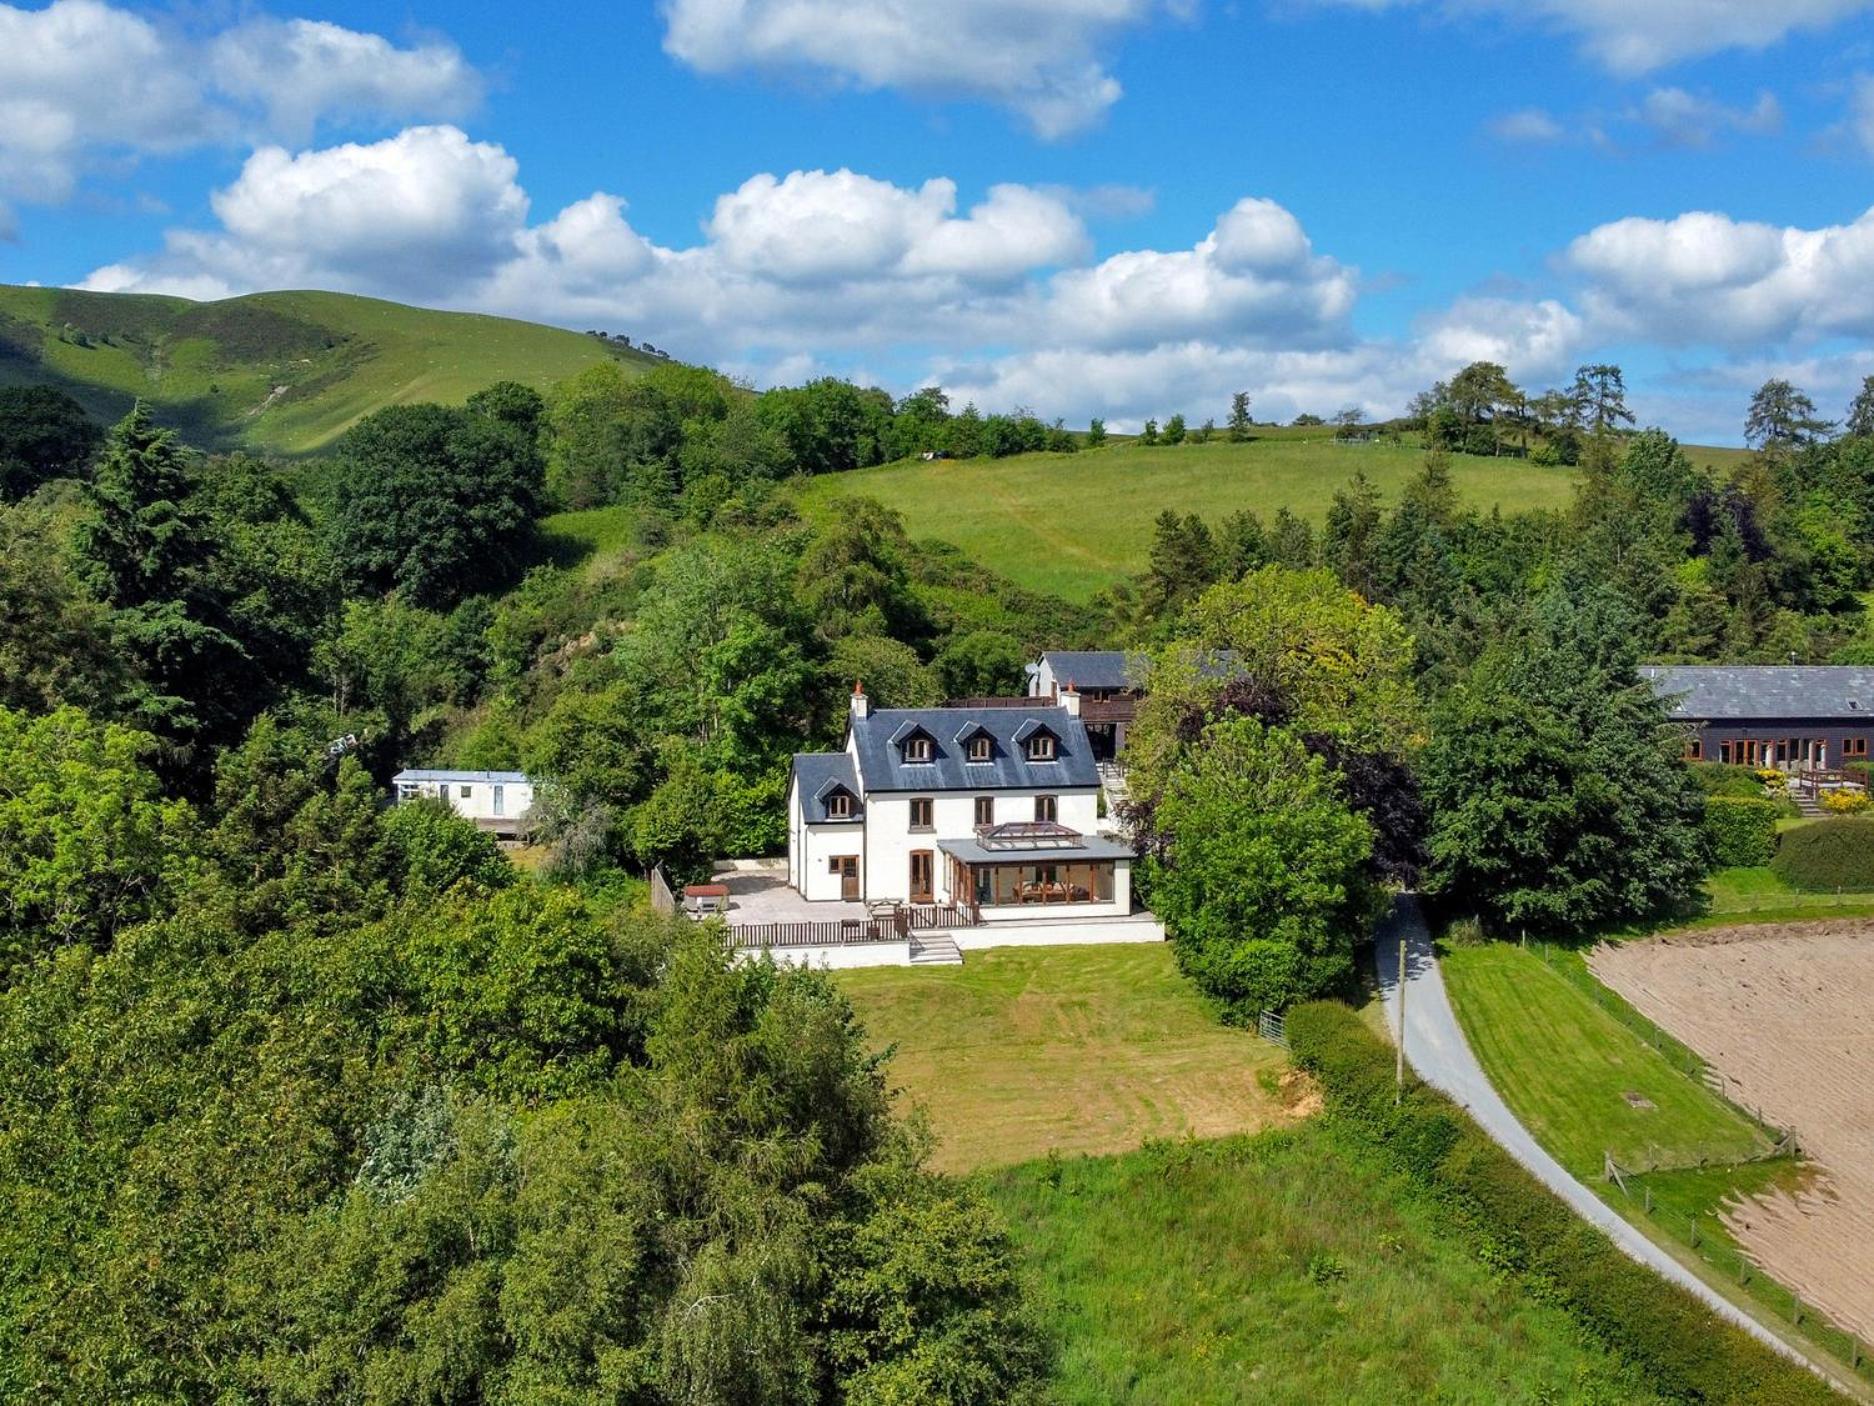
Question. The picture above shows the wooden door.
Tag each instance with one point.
(849, 878)
(922, 869)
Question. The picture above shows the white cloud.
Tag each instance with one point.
(1861, 111)
(1532, 126)
(811, 264)
(1707, 278)
(299, 71)
(1638, 36)
(84, 82)
(1537, 341)
(1679, 118)
(1041, 58)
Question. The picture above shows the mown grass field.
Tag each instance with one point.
(1024, 1051)
(1578, 1078)
(280, 372)
(1762, 895)
(1281, 1268)
(1070, 524)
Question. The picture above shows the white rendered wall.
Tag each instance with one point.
(517, 798)
(889, 839)
(1060, 932)
(818, 845)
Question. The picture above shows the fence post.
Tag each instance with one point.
(1647, 1191)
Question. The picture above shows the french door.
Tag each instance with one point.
(922, 869)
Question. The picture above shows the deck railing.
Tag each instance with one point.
(893, 925)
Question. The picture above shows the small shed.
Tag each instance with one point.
(496, 801)
(699, 899)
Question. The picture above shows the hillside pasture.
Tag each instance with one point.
(284, 373)
(1281, 1268)
(1070, 524)
(1025, 1051)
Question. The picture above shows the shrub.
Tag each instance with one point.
(1683, 1349)
(1859, 771)
(1842, 802)
(1720, 779)
(1829, 856)
(1742, 829)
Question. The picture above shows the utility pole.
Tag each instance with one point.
(1398, 1091)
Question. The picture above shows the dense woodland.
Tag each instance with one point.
(301, 1099)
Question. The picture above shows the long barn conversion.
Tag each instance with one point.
(1793, 717)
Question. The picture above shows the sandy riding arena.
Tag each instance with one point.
(1786, 1013)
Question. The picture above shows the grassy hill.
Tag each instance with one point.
(1073, 523)
(286, 372)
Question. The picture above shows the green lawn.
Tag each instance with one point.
(1070, 524)
(1023, 1051)
(1581, 1080)
(1761, 895)
(1283, 1268)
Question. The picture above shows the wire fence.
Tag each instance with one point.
(1705, 1235)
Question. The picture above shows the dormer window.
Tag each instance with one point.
(839, 805)
(982, 748)
(917, 748)
(1041, 747)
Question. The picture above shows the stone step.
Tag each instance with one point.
(935, 950)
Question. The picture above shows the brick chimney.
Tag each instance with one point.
(1070, 700)
(861, 705)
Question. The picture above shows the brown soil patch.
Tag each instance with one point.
(1786, 1013)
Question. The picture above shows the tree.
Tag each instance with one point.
(88, 844)
(433, 502)
(146, 550)
(55, 644)
(982, 663)
(1096, 432)
(1239, 421)
(1782, 419)
(893, 675)
(1350, 538)
(1149, 435)
(1558, 797)
(44, 434)
(1204, 433)
(1599, 399)
(1183, 561)
(514, 404)
(1262, 883)
(1860, 419)
(1174, 430)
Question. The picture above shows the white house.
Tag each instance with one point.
(991, 810)
(495, 800)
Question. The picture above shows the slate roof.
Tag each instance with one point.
(1096, 668)
(950, 769)
(1763, 692)
(819, 773)
(505, 778)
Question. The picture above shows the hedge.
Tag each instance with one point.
(1828, 856)
(1684, 1350)
(1742, 829)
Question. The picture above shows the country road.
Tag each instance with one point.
(1439, 1054)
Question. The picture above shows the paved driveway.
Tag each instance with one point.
(1439, 1054)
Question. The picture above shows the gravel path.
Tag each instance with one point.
(1439, 1054)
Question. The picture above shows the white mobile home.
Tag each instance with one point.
(495, 800)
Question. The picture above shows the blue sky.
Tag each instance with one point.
(1114, 207)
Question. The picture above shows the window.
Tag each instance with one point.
(1047, 808)
(985, 810)
(1041, 747)
(921, 810)
(463, 791)
(1694, 750)
(839, 805)
(917, 749)
(981, 748)
(1854, 747)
